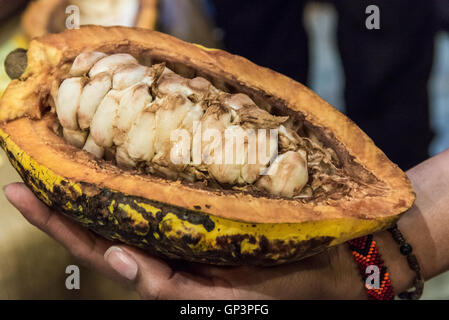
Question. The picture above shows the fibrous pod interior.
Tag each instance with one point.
(158, 122)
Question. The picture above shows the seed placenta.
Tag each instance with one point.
(111, 104)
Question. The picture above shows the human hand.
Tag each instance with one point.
(330, 275)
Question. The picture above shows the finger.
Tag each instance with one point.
(155, 279)
(78, 240)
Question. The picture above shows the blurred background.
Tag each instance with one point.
(393, 82)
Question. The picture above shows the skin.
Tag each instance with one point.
(330, 275)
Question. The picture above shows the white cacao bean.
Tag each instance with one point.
(91, 147)
(68, 101)
(128, 75)
(287, 175)
(84, 62)
(76, 138)
(111, 63)
(91, 97)
(140, 139)
(102, 126)
(133, 101)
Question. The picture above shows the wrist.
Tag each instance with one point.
(401, 275)
(346, 281)
(349, 283)
(424, 226)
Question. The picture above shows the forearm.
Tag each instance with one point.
(425, 226)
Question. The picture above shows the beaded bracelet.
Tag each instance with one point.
(406, 250)
(366, 254)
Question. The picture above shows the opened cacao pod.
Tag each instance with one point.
(50, 16)
(88, 125)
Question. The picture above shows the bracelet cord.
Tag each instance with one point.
(407, 250)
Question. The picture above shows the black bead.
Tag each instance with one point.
(406, 249)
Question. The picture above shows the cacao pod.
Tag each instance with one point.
(353, 189)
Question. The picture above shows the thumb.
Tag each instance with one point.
(122, 263)
(154, 279)
(147, 274)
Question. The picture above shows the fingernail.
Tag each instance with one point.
(121, 262)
